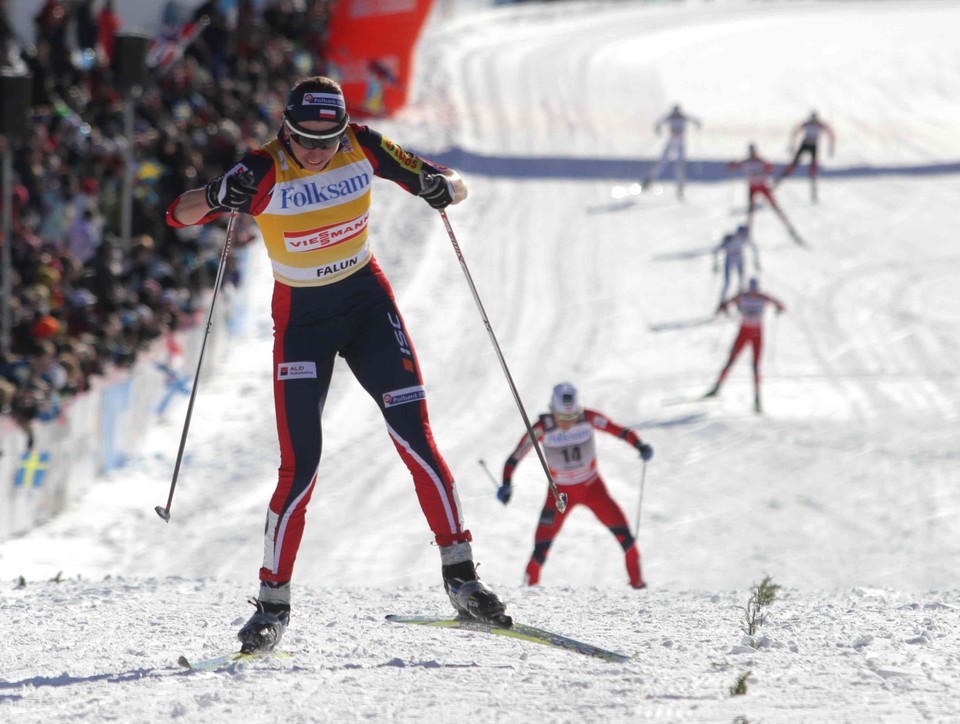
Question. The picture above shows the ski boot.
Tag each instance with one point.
(531, 577)
(713, 392)
(470, 598)
(756, 403)
(265, 628)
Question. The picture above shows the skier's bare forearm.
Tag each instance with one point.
(192, 207)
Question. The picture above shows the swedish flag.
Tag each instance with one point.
(33, 468)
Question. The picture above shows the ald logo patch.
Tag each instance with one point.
(402, 397)
(296, 370)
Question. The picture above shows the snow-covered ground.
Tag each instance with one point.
(844, 491)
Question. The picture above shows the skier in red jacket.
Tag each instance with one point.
(751, 304)
(758, 171)
(567, 436)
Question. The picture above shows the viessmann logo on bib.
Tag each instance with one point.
(325, 236)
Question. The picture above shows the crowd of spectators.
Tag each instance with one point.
(85, 300)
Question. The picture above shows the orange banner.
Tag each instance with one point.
(370, 48)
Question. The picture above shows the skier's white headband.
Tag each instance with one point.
(319, 135)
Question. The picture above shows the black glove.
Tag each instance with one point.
(231, 191)
(436, 190)
(646, 451)
(504, 493)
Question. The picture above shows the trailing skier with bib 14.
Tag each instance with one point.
(567, 434)
(309, 191)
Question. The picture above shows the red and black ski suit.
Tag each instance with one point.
(757, 171)
(331, 298)
(572, 461)
(751, 305)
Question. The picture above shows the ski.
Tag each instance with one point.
(225, 660)
(682, 323)
(671, 401)
(517, 631)
(687, 254)
(796, 237)
(790, 230)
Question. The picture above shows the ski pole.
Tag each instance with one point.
(489, 474)
(643, 480)
(561, 498)
(699, 152)
(732, 194)
(164, 512)
(773, 340)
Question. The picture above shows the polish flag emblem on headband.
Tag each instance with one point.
(328, 105)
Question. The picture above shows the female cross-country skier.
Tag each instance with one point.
(676, 149)
(567, 436)
(751, 304)
(309, 191)
(809, 132)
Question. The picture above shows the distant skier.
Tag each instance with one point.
(732, 247)
(569, 445)
(809, 132)
(751, 304)
(676, 150)
(758, 171)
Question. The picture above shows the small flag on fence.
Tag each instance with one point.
(32, 470)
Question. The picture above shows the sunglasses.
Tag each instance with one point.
(318, 140)
(310, 143)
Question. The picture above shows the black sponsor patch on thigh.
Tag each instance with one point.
(547, 517)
